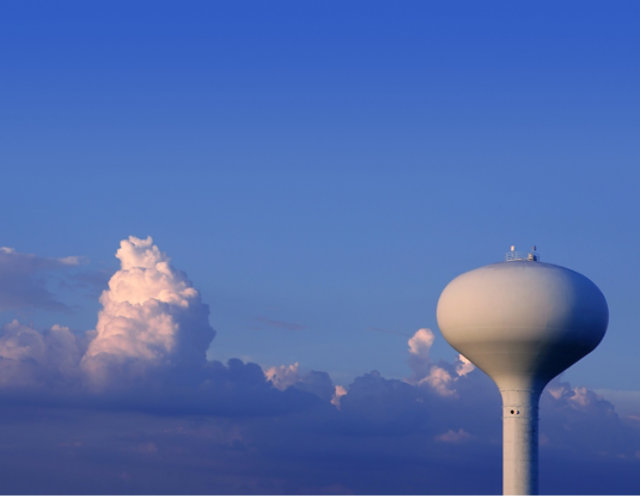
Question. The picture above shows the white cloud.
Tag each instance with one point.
(283, 376)
(464, 366)
(419, 345)
(580, 396)
(440, 380)
(577, 397)
(556, 391)
(340, 391)
(152, 317)
(437, 377)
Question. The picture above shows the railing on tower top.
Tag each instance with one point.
(513, 255)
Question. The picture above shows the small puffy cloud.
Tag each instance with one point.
(339, 392)
(151, 318)
(440, 380)
(582, 396)
(577, 397)
(419, 345)
(440, 377)
(283, 376)
(464, 366)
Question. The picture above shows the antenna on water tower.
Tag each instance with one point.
(522, 322)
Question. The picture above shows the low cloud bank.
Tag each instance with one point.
(134, 407)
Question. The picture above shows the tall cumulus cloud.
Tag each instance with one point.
(152, 318)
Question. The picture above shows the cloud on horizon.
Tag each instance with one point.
(134, 406)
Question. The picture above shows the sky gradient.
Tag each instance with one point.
(312, 175)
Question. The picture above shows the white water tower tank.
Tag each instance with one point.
(522, 322)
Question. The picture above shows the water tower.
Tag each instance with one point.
(522, 322)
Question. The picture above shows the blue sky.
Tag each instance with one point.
(321, 170)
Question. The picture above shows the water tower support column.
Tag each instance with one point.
(520, 441)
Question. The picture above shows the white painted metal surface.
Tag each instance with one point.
(522, 322)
